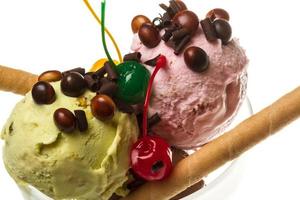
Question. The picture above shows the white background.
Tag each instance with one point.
(37, 35)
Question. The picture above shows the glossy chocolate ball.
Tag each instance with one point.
(103, 107)
(64, 120)
(196, 59)
(218, 13)
(137, 22)
(73, 84)
(181, 4)
(50, 76)
(223, 30)
(43, 93)
(149, 35)
(187, 19)
(132, 83)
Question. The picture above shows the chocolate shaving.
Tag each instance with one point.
(78, 70)
(92, 83)
(123, 106)
(152, 62)
(111, 73)
(108, 88)
(100, 72)
(209, 30)
(136, 56)
(174, 6)
(182, 44)
(167, 36)
(179, 34)
(164, 6)
(153, 120)
(81, 120)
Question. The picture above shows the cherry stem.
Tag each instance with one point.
(103, 4)
(160, 63)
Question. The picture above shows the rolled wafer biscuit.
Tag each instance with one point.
(223, 149)
(16, 81)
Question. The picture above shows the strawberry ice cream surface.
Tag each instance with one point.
(194, 107)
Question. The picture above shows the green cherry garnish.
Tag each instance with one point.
(132, 82)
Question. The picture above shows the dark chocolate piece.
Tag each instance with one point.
(218, 13)
(179, 48)
(73, 84)
(123, 107)
(64, 120)
(167, 36)
(92, 83)
(108, 88)
(153, 120)
(187, 19)
(223, 30)
(43, 93)
(209, 30)
(81, 120)
(152, 62)
(136, 56)
(149, 35)
(78, 70)
(164, 6)
(111, 73)
(179, 34)
(196, 59)
(100, 72)
(174, 6)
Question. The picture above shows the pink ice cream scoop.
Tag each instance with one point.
(194, 107)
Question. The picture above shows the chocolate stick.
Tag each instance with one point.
(223, 149)
(16, 81)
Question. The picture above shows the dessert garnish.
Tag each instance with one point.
(64, 120)
(137, 22)
(218, 13)
(50, 76)
(149, 35)
(103, 107)
(196, 59)
(43, 93)
(81, 120)
(223, 30)
(135, 56)
(151, 156)
(73, 84)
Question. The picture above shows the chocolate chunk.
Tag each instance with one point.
(153, 120)
(164, 6)
(167, 36)
(136, 56)
(123, 107)
(223, 30)
(104, 80)
(108, 88)
(179, 48)
(111, 73)
(209, 30)
(153, 61)
(218, 13)
(78, 70)
(81, 120)
(92, 83)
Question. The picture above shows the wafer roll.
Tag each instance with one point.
(16, 81)
(223, 149)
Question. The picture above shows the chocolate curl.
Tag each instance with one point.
(167, 36)
(78, 70)
(223, 149)
(92, 83)
(136, 56)
(111, 73)
(123, 107)
(153, 120)
(182, 44)
(152, 62)
(109, 88)
(164, 6)
(100, 72)
(81, 120)
(179, 34)
(174, 7)
(209, 30)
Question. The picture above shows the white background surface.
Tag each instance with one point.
(37, 35)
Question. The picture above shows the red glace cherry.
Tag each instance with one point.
(151, 156)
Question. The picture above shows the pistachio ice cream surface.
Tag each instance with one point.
(78, 165)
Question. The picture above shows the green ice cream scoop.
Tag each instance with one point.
(89, 165)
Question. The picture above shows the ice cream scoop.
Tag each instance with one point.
(80, 165)
(194, 107)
